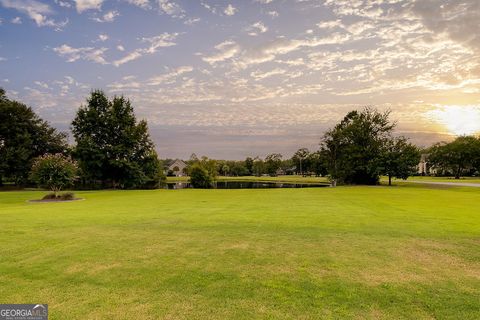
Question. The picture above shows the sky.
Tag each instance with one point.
(230, 79)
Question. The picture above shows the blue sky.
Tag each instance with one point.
(234, 78)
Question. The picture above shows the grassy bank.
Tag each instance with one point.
(332, 253)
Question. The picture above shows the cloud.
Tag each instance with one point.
(273, 13)
(171, 8)
(37, 11)
(226, 50)
(102, 37)
(83, 5)
(230, 10)
(256, 28)
(144, 4)
(120, 48)
(156, 42)
(87, 53)
(259, 75)
(168, 77)
(17, 20)
(282, 45)
(108, 17)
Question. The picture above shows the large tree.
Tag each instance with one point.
(112, 147)
(400, 159)
(458, 157)
(272, 163)
(301, 160)
(23, 137)
(354, 147)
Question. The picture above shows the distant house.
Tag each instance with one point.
(424, 167)
(178, 167)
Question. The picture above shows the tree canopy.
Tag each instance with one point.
(457, 157)
(23, 137)
(112, 146)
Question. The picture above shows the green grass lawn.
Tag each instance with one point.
(405, 252)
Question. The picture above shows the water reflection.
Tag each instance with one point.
(249, 185)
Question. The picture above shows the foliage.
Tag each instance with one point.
(63, 196)
(249, 165)
(458, 156)
(54, 171)
(200, 177)
(23, 137)
(301, 160)
(272, 163)
(400, 159)
(112, 146)
(355, 146)
(258, 166)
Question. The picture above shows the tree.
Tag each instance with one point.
(317, 163)
(301, 160)
(54, 171)
(200, 177)
(112, 146)
(23, 137)
(400, 159)
(258, 167)
(249, 165)
(457, 156)
(354, 147)
(272, 163)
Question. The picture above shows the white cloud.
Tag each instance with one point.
(171, 8)
(259, 75)
(256, 28)
(120, 48)
(230, 10)
(144, 4)
(226, 50)
(108, 17)
(156, 42)
(87, 53)
(168, 77)
(273, 13)
(191, 21)
(17, 20)
(102, 37)
(37, 11)
(83, 5)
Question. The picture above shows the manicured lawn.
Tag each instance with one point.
(406, 252)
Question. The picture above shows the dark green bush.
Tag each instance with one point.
(200, 178)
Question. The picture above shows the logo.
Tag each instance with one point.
(23, 311)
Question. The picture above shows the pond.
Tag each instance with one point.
(250, 185)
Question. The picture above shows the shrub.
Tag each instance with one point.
(64, 196)
(200, 178)
(54, 171)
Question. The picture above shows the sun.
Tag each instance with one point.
(459, 120)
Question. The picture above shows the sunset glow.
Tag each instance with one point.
(458, 120)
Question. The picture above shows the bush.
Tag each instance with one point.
(200, 178)
(64, 196)
(54, 171)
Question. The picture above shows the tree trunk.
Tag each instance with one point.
(457, 175)
(389, 180)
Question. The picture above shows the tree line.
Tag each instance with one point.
(113, 149)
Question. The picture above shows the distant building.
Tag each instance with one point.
(179, 168)
(424, 167)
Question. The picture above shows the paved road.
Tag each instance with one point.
(458, 184)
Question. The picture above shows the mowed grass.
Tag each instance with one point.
(407, 252)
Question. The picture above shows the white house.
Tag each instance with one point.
(178, 167)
